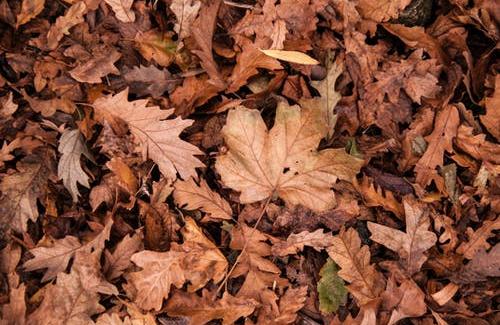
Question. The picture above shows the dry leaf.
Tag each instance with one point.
(7, 106)
(185, 11)
(113, 319)
(483, 265)
(290, 303)
(197, 260)
(282, 161)
(156, 46)
(14, 313)
(412, 244)
(71, 147)
(63, 24)
(375, 196)
(382, 10)
(122, 9)
(476, 145)
(444, 295)
(478, 239)
(157, 137)
(295, 242)
(366, 283)
(150, 81)
(291, 56)
(407, 300)
(100, 65)
(201, 310)
(117, 262)
(29, 10)
(491, 120)
(190, 196)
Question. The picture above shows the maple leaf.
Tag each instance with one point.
(63, 24)
(201, 310)
(117, 262)
(412, 244)
(197, 260)
(478, 239)
(405, 301)
(185, 11)
(122, 9)
(282, 161)
(382, 10)
(157, 137)
(190, 196)
(331, 288)
(98, 66)
(439, 141)
(247, 63)
(55, 254)
(29, 10)
(156, 46)
(150, 81)
(296, 242)
(72, 146)
(491, 120)
(20, 192)
(366, 284)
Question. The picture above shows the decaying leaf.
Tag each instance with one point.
(282, 161)
(150, 81)
(156, 137)
(156, 46)
(331, 288)
(483, 264)
(412, 244)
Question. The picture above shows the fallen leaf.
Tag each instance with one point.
(291, 56)
(63, 24)
(100, 65)
(71, 147)
(124, 175)
(290, 303)
(412, 244)
(156, 46)
(366, 283)
(29, 10)
(482, 265)
(197, 260)
(444, 295)
(122, 9)
(382, 10)
(7, 106)
(332, 292)
(201, 310)
(375, 196)
(476, 145)
(113, 319)
(282, 161)
(478, 239)
(14, 312)
(491, 120)
(191, 196)
(185, 11)
(406, 300)
(157, 137)
(150, 81)
(7, 148)
(117, 262)
(295, 242)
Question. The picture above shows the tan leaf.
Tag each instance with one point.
(477, 146)
(406, 300)
(122, 9)
(290, 303)
(197, 260)
(14, 313)
(150, 81)
(439, 141)
(478, 239)
(375, 196)
(20, 192)
(100, 65)
(55, 254)
(156, 46)
(291, 56)
(201, 310)
(185, 11)
(29, 10)
(117, 262)
(63, 24)
(483, 265)
(190, 196)
(124, 175)
(366, 284)
(444, 295)
(295, 242)
(7, 148)
(195, 91)
(157, 138)
(72, 146)
(247, 63)
(412, 244)
(7, 106)
(203, 30)
(50, 106)
(113, 319)
(283, 160)
(382, 10)
(491, 120)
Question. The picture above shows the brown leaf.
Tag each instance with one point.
(63, 24)
(375, 196)
(49, 107)
(476, 145)
(71, 147)
(295, 242)
(406, 300)
(156, 137)
(382, 10)
(117, 262)
(190, 196)
(201, 310)
(7, 148)
(113, 319)
(122, 9)
(491, 120)
(194, 92)
(154, 45)
(366, 284)
(55, 254)
(478, 239)
(283, 160)
(203, 30)
(290, 303)
(7, 106)
(483, 264)
(185, 11)
(197, 260)
(247, 63)
(412, 244)
(444, 295)
(100, 65)
(14, 313)
(124, 175)
(439, 141)
(150, 81)
(29, 10)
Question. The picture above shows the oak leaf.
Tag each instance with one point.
(201, 310)
(150, 81)
(366, 283)
(290, 303)
(491, 120)
(412, 244)
(118, 261)
(185, 11)
(197, 260)
(478, 239)
(98, 66)
(157, 137)
(63, 24)
(191, 196)
(296, 242)
(375, 196)
(55, 254)
(122, 9)
(72, 146)
(283, 160)
(406, 300)
(482, 265)
(477, 146)
(29, 10)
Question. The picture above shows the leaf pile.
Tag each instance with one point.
(249, 162)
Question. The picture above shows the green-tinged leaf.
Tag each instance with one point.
(331, 289)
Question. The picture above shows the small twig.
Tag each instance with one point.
(247, 240)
